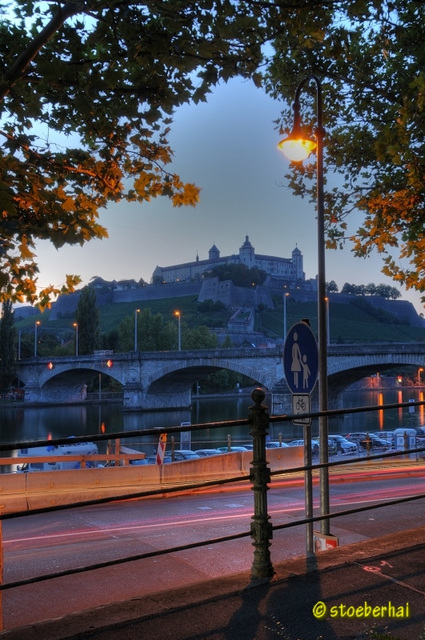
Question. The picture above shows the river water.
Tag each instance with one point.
(18, 424)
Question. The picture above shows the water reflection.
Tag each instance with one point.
(20, 424)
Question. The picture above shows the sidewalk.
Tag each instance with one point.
(378, 585)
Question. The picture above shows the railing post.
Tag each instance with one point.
(261, 528)
(1, 575)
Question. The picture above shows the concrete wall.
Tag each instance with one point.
(27, 491)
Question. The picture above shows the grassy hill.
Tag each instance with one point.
(348, 323)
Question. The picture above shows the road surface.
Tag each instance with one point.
(42, 544)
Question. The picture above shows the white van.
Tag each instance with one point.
(71, 449)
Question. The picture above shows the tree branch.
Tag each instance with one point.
(19, 67)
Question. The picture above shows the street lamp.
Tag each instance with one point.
(36, 325)
(136, 311)
(179, 317)
(75, 325)
(297, 148)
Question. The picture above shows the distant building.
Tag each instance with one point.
(289, 270)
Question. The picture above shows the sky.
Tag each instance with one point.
(228, 147)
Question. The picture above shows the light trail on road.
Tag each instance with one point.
(53, 543)
(239, 512)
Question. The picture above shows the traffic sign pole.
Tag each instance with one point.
(301, 365)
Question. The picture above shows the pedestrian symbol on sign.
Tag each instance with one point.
(299, 365)
(300, 359)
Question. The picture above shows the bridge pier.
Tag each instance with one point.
(136, 399)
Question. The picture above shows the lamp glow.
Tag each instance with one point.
(296, 149)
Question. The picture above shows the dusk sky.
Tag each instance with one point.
(228, 147)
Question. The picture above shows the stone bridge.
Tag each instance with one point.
(163, 380)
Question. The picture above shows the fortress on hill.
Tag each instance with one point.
(190, 279)
(288, 270)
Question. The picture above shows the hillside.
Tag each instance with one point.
(353, 320)
(348, 323)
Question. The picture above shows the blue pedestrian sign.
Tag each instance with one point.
(300, 359)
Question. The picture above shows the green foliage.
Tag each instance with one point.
(191, 313)
(332, 287)
(371, 62)
(239, 274)
(88, 91)
(224, 380)
(87, 319)
(7, 347)
(371, 289)
(199, 338)
(154, 333)
(87, 94)
(227, 344)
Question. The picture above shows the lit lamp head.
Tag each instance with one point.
(296, 147)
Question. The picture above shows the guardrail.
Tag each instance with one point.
(259, 474)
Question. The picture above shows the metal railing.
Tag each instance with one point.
(261, 530)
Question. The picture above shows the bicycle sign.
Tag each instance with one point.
(301, 403)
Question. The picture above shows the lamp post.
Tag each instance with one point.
(179, 317)
(75, 325)
(285, 295)
(36, 325)
(297, 148)
(136, 311)
(328, 323)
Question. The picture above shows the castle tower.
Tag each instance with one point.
(297, 264)
(247, 253)
(213, 254)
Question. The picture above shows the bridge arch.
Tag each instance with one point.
(346, 369)
(159, 380)
(59, 382)
(179, 376)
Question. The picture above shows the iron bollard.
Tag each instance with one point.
(261, 528)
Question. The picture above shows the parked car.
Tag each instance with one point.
(355, 436)
(184, 454)
(387, 436)
(275, 444)
(315, 446)
(342, 444)
(375, 443)
(232, 449)
(152, 459)
(332, 447)
(300, 443)
(205, 453)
